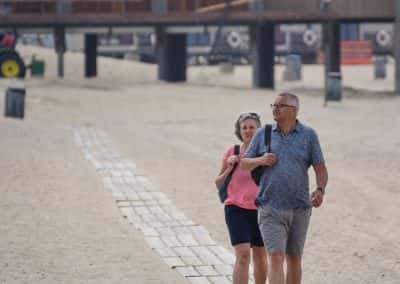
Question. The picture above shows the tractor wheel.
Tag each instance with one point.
(11, 66)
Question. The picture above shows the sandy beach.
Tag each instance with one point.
(59, 225)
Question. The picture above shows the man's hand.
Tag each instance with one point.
(317, 198)
(268, 159)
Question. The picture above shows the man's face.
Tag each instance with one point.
(283, 109)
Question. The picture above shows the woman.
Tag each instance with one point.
(240, 210)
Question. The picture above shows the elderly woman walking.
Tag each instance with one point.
(240, 210)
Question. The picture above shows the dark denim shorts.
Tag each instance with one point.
(242, 225)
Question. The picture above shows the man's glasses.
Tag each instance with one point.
(278, 106)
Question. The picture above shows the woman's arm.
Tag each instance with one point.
(226, 168)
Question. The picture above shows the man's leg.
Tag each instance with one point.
(274, 228)
(293, 269)
(275, 268)
(241, 268)
(296, 240)
(260, 264)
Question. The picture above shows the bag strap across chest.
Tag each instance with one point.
(267, 137)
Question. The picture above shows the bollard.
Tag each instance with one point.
(334, 87)
(380, 68)
(15, 103)
(293, 68)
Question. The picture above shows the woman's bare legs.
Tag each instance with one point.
(241, 268)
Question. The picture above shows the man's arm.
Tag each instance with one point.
(250, 160)
(249, 164)
(321, 175)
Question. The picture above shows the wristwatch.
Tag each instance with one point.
(322, 190)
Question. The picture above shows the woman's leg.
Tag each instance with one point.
(260, 264)
(241, 268)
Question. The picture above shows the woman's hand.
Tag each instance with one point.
(232, 160)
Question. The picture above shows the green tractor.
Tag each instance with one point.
(11, 63)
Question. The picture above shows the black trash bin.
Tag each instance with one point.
(334, 87)
(15, 102)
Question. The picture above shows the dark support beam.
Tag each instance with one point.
(333, 79)
(171, 51)
(263, 51)
(397, 49)
(59, 44)
(90, 55)
(334, 47)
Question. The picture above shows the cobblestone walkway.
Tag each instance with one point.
(182, 244)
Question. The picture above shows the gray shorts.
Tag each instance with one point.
(284, 231)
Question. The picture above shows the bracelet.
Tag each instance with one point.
(322, 190)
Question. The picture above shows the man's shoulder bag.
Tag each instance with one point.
(223, 190)
(258, 172)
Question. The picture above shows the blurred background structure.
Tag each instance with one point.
(175, 33)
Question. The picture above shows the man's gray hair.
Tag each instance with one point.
(292, 99)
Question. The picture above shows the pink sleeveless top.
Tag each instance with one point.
(242, 191)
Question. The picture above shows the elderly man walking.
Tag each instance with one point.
(284, 201)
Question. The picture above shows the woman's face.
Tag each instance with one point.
(247, 129)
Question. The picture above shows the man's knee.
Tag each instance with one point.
(259, 256)
(293, 260)
(276, 260)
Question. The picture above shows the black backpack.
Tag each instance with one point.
(258, 172)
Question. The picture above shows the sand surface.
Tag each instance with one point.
(59, 225)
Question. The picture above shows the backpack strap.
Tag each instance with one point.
(267, 137)
(236, 150)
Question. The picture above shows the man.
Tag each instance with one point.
(284, 202)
